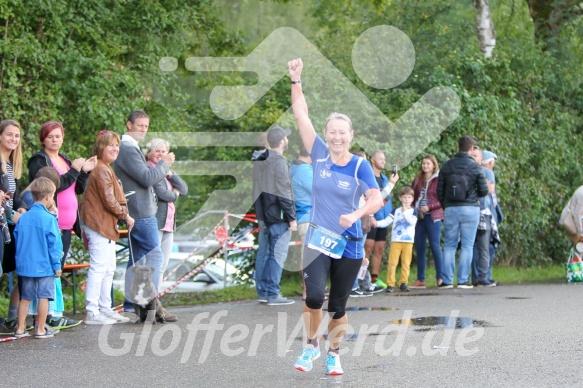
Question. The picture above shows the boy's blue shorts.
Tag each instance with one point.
(36, 288)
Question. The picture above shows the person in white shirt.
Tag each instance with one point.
(404, 219)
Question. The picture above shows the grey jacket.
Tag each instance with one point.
(166, 195)
(272, 188)
(136, 176)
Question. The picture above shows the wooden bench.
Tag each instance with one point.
(73, 268)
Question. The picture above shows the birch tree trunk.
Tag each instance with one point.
(485, 27)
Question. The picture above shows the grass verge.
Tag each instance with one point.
(291, 287)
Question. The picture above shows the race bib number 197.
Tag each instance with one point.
(329, 243)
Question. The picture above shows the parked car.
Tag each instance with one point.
(211, 277)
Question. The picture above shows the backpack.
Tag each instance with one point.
(457, 185)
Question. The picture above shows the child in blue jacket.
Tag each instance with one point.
(38, 257)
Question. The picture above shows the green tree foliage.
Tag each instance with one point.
(550, 16)
(89, 63)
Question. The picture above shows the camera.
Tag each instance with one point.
(394, 170)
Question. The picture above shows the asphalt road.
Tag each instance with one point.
(516, 336)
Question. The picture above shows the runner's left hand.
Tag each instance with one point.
(346, 220)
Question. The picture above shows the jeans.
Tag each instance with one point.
(66, 239)
(427, 228)
(56, 306)
(278, 236)
(493, 251)
(100, 275)
(145, 250)
(481, 258)
(366, 283)
(459, 221)
(260, 259)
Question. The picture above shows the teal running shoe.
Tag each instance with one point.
(305, 360)
(333, 367)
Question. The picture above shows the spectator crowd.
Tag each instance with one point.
(120, 186)
(338, 201)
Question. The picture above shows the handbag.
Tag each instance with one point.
(567, 221)
(574, 268)
(4, 227)
(85, 239)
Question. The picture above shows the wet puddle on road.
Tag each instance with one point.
(347, 337)
(442, 322)
(369, 309)
(397, 293)
(425, 324)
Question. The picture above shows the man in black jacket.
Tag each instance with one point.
(460, 184)
(274, 206)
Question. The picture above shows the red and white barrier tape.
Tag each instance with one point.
(190, 274)
(192, 252)
(194, 271)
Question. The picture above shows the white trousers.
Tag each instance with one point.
(100, 276)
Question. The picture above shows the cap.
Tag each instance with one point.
(276, 135)
(487, 155)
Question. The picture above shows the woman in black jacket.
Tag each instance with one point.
(74, 175)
